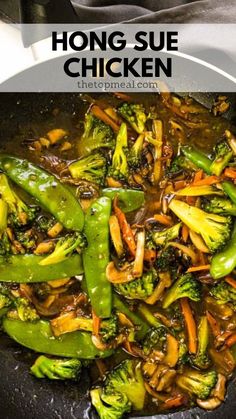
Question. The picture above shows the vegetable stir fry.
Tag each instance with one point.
(118, 252)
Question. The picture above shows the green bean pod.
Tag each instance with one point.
(224, 262)
(46, 188)
(26, 268)
(38, 337)
(230, 189)
(129, 199)
(96, 256)
(198, 158)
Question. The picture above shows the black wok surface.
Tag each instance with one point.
(21, 395)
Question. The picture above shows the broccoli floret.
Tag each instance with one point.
(44, 223)
(185, 286)
(56, 369)
(197, 383)
(127, 379)
(140, 288)
(25, 311)
(218, 205)
(154, 339)
(201, 359)
(214, 229)
(135, 115)
(135, 153)
(223, 154)
(178, 165)
(168, 234)
(64, 247)
(119, 167)
(224, 293)
(19, 213)
(26, 239)
(5, 245)
(110, 406)
(5, 296)
(167, 260)
(109, 329)
(96, 135)
(91, 168)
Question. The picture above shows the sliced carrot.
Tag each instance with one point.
(229, 172)
(231, 281)
(126, 230)
(185, 233)
(231, 340)
(100, 114)
(208, 180)
(191, 200)
(202, 258)
(199, 268)
(175, 401)
(190, 325)
(150, 255)
(213, 324)
(96, 323)
(198, 176)
(179, 184)
(163, 219)
(122, 96)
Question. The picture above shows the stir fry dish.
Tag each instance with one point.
(118, 250)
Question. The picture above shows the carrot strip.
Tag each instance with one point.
(231, 340)
(213, 324)
(230, 281)
(190, 325)
(96, 323)
(199, 268)
(185, 233)
(125, 228)
(100, 114)
(150, 255)
(198, 176)
(229, 172)
(208, 180)
(163, 219)
(179, 184)
(175, 401)
(191, 200)
(122, 96)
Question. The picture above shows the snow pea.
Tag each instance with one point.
(38, 337)
(96, 256)
(46, 188)
(129, 199)
(224, 262)
(230, 189)
(26, 268)
(198, 158)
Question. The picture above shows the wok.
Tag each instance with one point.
(23, 396)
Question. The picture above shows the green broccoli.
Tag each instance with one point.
(140, 288)
(19, 213)
(224, 293)
(119, 167)
(154, 339)
(167, 260)
(25, 310)
(56, 369)
(5, 246)
(109, 329)
(135, 153)
(26, 239)
(214, 229)
(5, 297)
(127, 379)
(110, 406)
(135, 115)
(64, 247)
(185, 286)
(201, 359)
(218, 205)
(197, 383)
(168, 234)
(178, 165)
(91, 168)
(223, 154)
(96, 135)
(44, 223)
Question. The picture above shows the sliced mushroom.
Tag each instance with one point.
(209, 404)
(117, 276)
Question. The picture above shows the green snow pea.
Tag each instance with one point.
(96, 256)
(129, 199)
(26, 268)
(46, 188)
(198, 158)
(224, 262)
(38, 337)
(230, 189)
